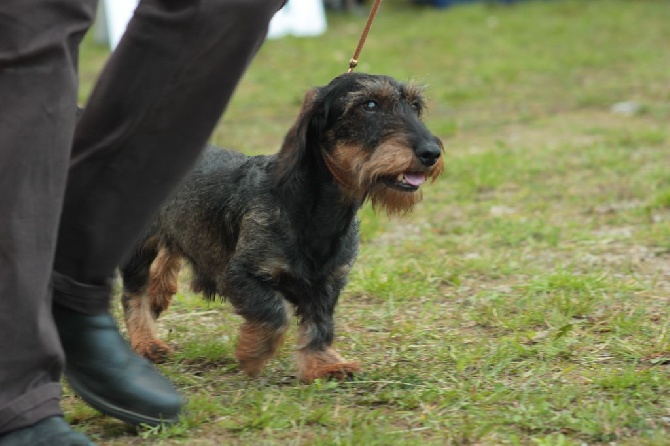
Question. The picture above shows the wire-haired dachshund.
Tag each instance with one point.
(272, 232)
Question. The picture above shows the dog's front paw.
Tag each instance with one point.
(325, 364)
(252, 366)
(256, 345)
(154, 350)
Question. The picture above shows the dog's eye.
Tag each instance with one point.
(370, 106)
(416, 106)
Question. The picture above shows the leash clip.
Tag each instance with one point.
(354, 60)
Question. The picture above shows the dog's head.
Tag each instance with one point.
(365, 132)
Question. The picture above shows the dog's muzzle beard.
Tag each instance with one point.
(390, 176)
(428, 153)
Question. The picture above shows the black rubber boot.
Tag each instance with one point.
(103, 370)
(52, 431)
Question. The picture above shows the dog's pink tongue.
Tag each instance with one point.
(415, 179)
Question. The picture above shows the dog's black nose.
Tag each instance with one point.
(428, 153)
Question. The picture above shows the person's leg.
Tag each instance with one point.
(147, 120)
(38, 86)
(149, 116)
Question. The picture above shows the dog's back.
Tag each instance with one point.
(202, 219)
(219, 178)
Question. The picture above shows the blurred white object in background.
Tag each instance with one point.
(300, 18)
(113, 16)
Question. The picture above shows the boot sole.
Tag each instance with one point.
(112, 410)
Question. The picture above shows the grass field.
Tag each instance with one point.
(525, 301)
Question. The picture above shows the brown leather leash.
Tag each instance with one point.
(354, 60)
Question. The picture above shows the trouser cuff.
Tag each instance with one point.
(30, 408)
(89, 299)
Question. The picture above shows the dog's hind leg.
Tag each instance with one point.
(163, 280)
(149, 281)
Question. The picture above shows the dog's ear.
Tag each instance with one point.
(306, 128)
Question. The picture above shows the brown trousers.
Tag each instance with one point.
(75, 195)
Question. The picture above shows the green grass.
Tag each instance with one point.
(525, 301)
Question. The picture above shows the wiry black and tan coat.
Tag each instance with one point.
(269, 233)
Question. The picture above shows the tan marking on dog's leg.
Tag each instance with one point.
(256, 345)
(141, 328)
(321, 364)
(163, 279)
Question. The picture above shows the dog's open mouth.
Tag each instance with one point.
(406, 181)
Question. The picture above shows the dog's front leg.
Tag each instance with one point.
(316, 358)
(266, 321)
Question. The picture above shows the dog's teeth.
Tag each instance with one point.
(401, 178)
